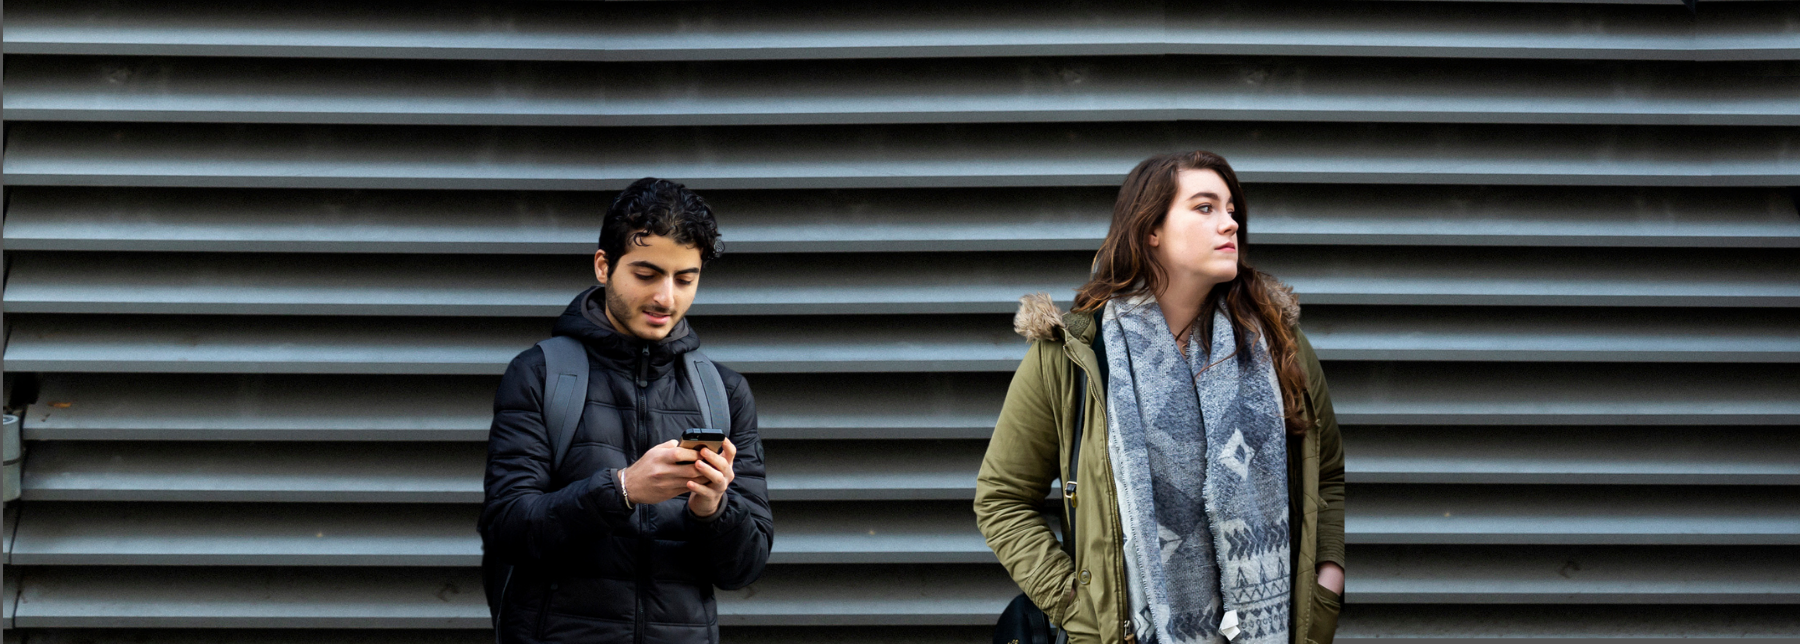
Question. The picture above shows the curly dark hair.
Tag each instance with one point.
(652, 206)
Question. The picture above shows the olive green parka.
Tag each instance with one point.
(1029, 450)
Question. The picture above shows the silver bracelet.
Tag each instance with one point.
(623, 493)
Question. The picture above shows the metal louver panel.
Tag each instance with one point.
(539, 286)
(782, 221)
(267, 260)
(901, 156)
(902, 532)
(315, 345)
(1731, 31)
(907, 91)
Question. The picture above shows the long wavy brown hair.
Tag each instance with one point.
(1125, 267)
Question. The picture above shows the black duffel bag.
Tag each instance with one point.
(1024, 623)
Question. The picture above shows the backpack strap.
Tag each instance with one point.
(1081, 401)
(565, 393)
(1069, 486)
(709, 390)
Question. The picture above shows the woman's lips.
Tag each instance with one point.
(1226, 247)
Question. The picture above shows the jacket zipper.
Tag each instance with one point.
(643, 407)
(643, 558)
(500, 613)
(1124, 615)
(544, 612)
(643, 577)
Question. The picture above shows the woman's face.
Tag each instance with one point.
(1198, 238)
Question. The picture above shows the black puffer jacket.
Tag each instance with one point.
(585, 568)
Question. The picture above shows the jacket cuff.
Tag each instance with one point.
(1332, 556)
(713, 523)
(604, 495)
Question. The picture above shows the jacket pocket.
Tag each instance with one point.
(1325, 608)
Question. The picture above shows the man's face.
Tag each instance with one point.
(651, 287)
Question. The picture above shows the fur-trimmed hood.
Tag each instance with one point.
(1040, 319)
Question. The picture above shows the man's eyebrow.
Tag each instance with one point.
(646, 264)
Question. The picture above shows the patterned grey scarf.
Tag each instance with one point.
(1200, 453)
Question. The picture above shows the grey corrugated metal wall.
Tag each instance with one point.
(268, 258)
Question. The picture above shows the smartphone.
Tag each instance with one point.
(713, 439)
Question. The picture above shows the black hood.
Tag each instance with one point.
(585, 320)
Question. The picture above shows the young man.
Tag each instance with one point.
(626, 539)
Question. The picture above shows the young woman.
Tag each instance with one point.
(1209, 496)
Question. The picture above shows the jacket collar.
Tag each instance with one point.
(585, 320)
(1080, 327)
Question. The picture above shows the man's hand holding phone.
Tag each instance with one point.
(662, 473)
(707, 493)
(669, 470)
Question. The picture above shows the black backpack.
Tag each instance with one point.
(565, 395)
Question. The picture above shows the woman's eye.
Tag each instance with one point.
(1205, 208)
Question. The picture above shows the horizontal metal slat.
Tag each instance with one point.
(758, 221)
(1510, 623)
(486, 346)
(256, 472)
(737, 634)
(1423, 623)
(1550, 335)
(226, 534)
(451, 598)
(899, 156)
(229, 534)
(448, 472)
(1370, 393)
(170, 344)
(259, 636)
(869, 470)
(1591, 515)
(251, 598)
(881, 30)
(538, 285)
(912, 405)
(380, 408)
(889, 91)
(881, 595)
(1605, 455)
(1608, 574)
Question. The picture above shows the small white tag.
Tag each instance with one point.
(1228, 625)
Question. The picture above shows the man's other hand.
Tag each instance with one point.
(707, 493)
(663, 473)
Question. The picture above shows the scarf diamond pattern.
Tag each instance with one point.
(1199, 448)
